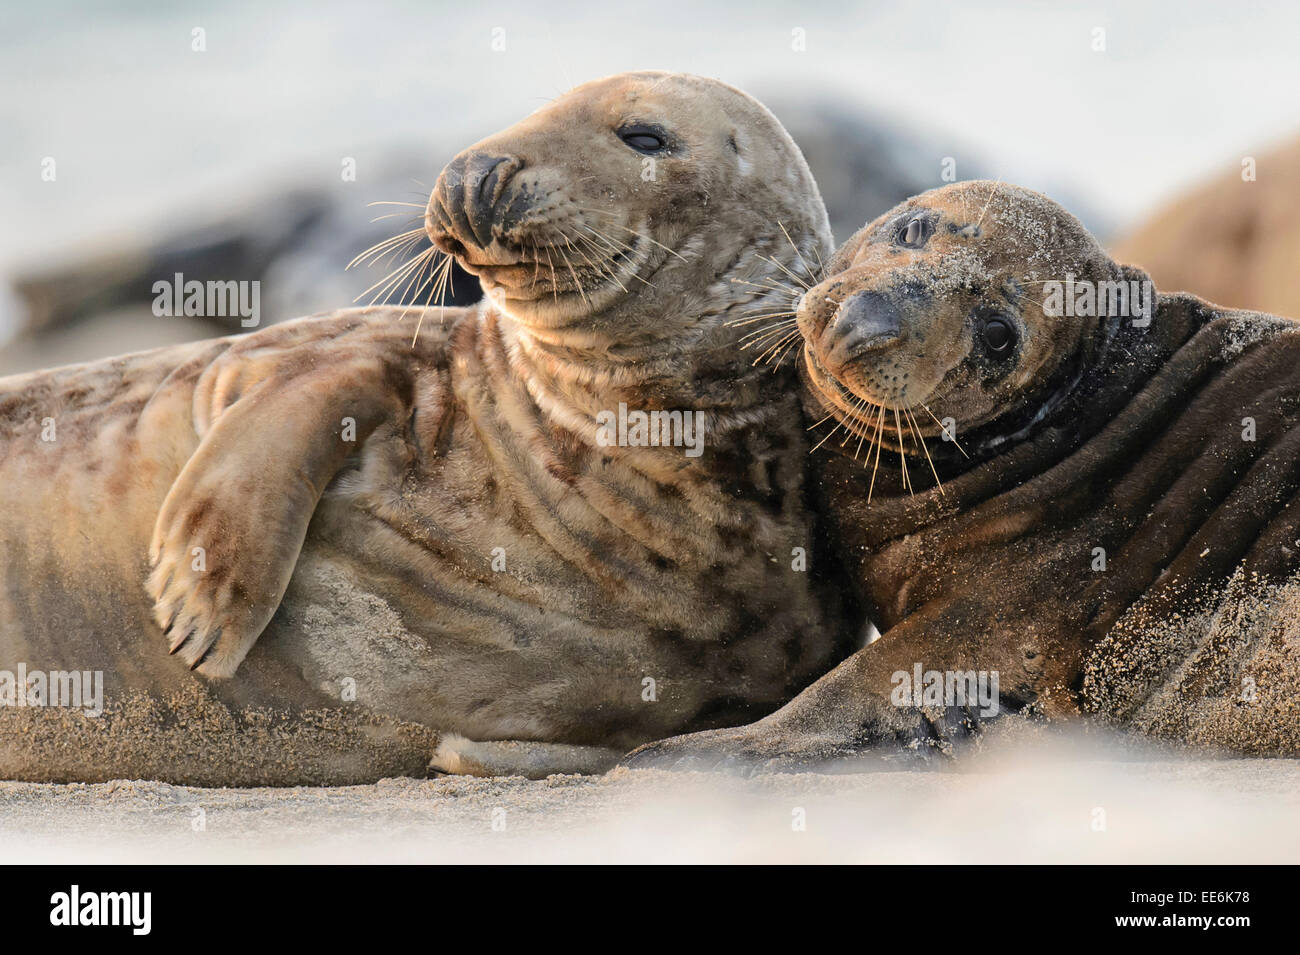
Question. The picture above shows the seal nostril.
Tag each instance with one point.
(467, 193)
(868, 318)
(484, 178)
(450, 245)
(488, 184)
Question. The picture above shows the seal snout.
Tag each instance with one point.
(865, 322)
(464, 206)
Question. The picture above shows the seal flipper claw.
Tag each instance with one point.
(233, 523)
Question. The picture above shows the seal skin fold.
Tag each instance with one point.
(1118, 529)
(367, 546)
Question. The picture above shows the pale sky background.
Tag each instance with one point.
(146, 132)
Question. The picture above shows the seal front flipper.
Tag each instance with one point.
(275, 426)
(912, 697)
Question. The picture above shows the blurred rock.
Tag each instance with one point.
(238, 248)
(1234, 242)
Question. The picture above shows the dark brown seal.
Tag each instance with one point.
(1042, 474)
(368, 547)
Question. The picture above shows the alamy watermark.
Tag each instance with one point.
(129, 909)
(212, 299)
(921, 687)
(651, 429)
(1084, 298)
(70, 689)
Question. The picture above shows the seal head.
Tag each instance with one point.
(937, 309)
(598, 210)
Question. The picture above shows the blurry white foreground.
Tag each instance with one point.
(1057, 802)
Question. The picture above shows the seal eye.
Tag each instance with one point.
(998, 335)
(914, 234)
(644, 139)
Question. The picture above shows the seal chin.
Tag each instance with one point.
(864, 401)
(858, 375)
(843, 392)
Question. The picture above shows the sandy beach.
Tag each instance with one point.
(1050, 803)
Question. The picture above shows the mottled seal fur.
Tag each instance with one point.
(1114, 527)
(368, 546)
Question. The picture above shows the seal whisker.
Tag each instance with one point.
(411, 277)
(537, 263)
(384, 245)
(435, 272)
(920, 439)
(942, 428)
(773, 283)
(821, 267)
(782, 267)
(409, 216)
(854, 410)
(770, 320)
(779, 347)
(770, 285)
(902, 452)
(794, 343)
(752, 318)
(769, 355)
(802, 260)
(555, 288)
(838, 424)
(638, 234)
(880, 433)
(772, 326)
(605, 268)
(418, 280)
(396, 252)
(619, 248)
(614, 245)
(600, 270)
(771, 340)
(767, 331)
(394, 248)
(829, 414)
(428, 263)
(398, 275)
(862, 435)
(598, 265)
(574, 272)
(438, 294)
